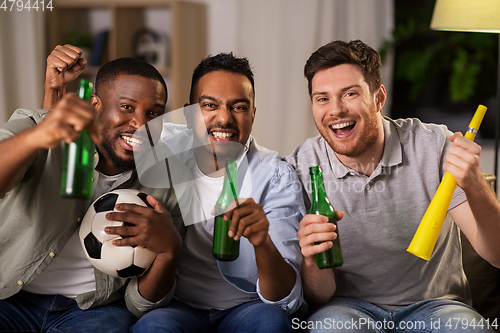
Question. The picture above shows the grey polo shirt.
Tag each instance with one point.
(36, 222)
(382, 213)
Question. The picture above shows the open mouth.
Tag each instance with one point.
(343, 129)
(131, 143)
(222, 136)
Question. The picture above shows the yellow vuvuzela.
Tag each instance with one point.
(427, 233)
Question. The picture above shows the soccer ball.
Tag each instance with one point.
(117, 261)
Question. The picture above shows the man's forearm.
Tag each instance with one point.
(319, 284)
(157, 282)
(15, 153)
(52, 96)
(276, 276)
(486, 210)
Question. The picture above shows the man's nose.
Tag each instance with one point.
(337, 108)
(224, 115)
(138, 119)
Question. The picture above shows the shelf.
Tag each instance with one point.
(187, 40)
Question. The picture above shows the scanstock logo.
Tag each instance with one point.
(164, 156)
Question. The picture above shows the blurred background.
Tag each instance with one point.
(436, 76)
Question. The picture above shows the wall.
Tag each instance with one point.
(22, 61)
(276, 36)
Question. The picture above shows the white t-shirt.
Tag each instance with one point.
(200, 282)
(70, 274)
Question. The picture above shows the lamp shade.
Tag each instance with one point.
(467, 15)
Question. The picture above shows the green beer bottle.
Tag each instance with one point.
(226, 248)
(78, 167)
(320, 205)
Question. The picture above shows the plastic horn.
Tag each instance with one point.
(427, 233)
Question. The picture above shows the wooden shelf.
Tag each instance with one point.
(187, 37)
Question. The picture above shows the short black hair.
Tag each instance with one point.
(339, 52)
(221, 62)
(127, 66)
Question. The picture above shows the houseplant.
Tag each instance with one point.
(451, 72)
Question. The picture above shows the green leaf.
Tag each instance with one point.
(463, 79)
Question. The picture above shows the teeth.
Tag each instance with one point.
(132, 141)
(222, 135)
(342, 125)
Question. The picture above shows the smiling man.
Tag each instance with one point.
(382, 174)
(46, 281)
(257, 291)
(122, 96)
(221, 134)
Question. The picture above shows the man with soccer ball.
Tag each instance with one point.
(46, 282)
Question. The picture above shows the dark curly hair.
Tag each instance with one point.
(339, 52)
(222, 61)
(127, 66)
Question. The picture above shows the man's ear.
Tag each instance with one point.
(96, 103)
(380, 97)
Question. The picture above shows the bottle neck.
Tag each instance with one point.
(229, 190)
(317, 187)
(85, 90)
(319, 201)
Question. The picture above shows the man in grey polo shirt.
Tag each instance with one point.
(382, 174)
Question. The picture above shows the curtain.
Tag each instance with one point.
(22, 60)
(279, 36)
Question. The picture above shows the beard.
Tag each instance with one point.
(119, 163)
(367, 138)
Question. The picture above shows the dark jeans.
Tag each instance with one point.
(180, 317)
(27, 312)
(437, 315)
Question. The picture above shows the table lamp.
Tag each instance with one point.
(472, 16)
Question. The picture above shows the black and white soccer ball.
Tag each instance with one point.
(117, 261)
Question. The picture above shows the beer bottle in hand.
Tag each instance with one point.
(320, 205)
(78, 167)
(225, 247)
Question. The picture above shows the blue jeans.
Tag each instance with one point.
(351, 315)
(179, 317)
(27, 312)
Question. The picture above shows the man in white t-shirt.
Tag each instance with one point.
(257, 291)
(46, 282)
